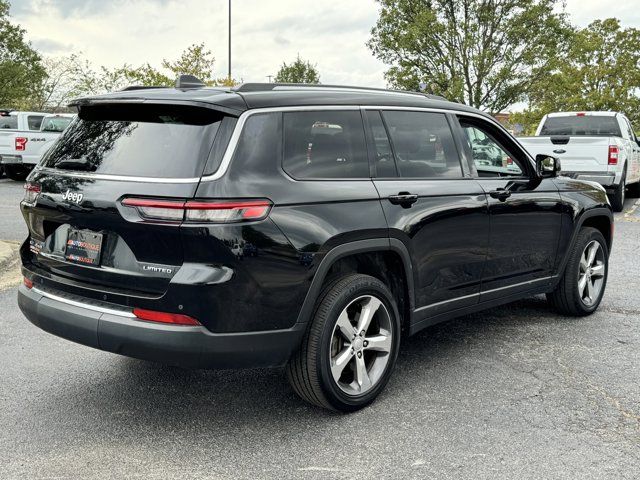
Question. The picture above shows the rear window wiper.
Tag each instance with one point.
(75, 164)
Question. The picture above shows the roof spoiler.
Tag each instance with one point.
(186, 82)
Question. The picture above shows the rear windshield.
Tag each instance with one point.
(8, 122)
(163, 141)
(589, 125)
(55, 124)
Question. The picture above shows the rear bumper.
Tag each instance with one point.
(606, 179)
(118, 331)
(11, 160)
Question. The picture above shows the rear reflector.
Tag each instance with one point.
(163, 317)
(613, 154)
(27, 283)
(21, 143)
(220, 211)
(581, 114)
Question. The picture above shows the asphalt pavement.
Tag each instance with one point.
(513, 392)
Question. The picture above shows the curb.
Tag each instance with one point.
(9, 263)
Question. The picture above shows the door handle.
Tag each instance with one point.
(404, 199)
(500, 193)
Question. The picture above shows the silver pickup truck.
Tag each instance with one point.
(25, 137)
(596, 146)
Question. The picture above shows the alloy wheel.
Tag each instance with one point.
(361, 345)
(591, 273)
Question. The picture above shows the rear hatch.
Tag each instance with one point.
(81, 233)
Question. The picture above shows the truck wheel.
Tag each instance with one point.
(617, 199)
(18, 173)
(582, 285)
(634, 190)
(350, 346)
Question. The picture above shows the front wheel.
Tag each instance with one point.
(582, 285)
(350, 347)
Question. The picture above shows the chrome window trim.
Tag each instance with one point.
(95, 308)
(237, 132)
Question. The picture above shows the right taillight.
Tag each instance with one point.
(21, 144)
(200, 211)
(613, 154)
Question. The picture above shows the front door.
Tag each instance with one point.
(525, 212)
(432, 205)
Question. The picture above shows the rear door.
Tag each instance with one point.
(525, 213)
(80, 232)
(432, 205)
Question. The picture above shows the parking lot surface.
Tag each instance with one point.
(513, 392)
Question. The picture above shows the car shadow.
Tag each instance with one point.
(128, 395)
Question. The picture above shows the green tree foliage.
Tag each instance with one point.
(484, 53)
(21, 69)
(600, 71)
(300, 71)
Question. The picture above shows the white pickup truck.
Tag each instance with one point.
(596, 146)
(25, 137)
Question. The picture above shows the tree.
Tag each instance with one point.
(21, 69)
(484, 53)
(196, 60)
(600, 71)
(300, 71)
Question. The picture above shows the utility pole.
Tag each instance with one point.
(229, 39)
(269, 77)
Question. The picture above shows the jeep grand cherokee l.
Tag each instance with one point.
(366, 214)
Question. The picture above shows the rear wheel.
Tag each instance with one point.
(634, 190)
(16, 172)
(350, 347)
(585, 277)
(617, 199)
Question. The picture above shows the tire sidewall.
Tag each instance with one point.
(333, 393)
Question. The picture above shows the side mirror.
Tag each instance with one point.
(547, 166)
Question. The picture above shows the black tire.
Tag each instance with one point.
(309, 370)
(634, 190)
(617, 199)
(17, 173)
(566, 298)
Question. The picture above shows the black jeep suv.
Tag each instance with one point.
(311, 227)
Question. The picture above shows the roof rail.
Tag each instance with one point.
(186, 82)
(266, 87)
(141, 87)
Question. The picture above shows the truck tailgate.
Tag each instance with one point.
(577, 154)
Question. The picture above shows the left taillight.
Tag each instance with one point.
(31, 192)
(21, 144)
(200, 211)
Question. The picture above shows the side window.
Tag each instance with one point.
(423, 145)
(489, 156)
(324, 144)
(383, 155)
(34, 122)
(632, 136)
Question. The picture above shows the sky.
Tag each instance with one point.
(329, 33)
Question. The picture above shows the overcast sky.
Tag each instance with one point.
(330, 33)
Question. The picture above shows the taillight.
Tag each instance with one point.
(215, 211)
(27, 283)
(613, 154)
(21, 143)
(164, 317)
(31, 192)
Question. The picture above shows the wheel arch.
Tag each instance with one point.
(350, 258)
(600, 218)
